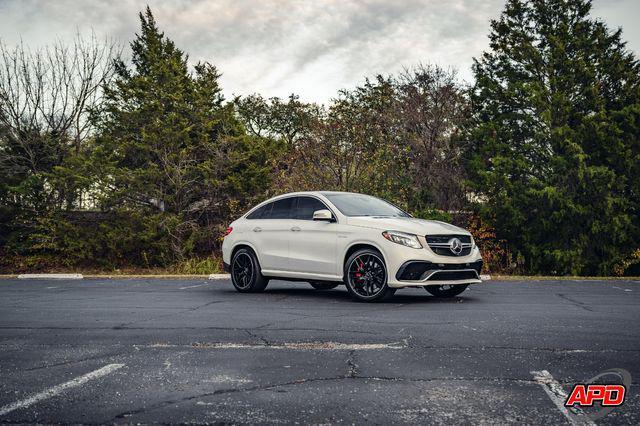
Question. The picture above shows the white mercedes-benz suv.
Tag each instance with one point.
(331, 238)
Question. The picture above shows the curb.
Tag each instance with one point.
(219, 276)
(560, 278)
(144, 276)
(50, 277)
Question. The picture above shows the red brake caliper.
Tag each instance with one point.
(358, 274)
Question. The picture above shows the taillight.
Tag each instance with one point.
(227, 232)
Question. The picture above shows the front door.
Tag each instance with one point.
(312, 244)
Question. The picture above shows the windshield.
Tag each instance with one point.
(364, 205)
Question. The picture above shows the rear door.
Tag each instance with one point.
(312, 244)
(270, 235)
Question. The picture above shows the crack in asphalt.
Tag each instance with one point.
(255, 336)
(339, 330)
(351, 363)
(76, 361)
(574, 302)
(164, 403)
(193, 309)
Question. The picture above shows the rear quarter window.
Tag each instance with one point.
(263, 212)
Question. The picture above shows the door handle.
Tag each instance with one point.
(257, 229)
(295, 229)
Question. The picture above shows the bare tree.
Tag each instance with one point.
(46, 99)
(53, 90)
(433, 110)
(354, 146)
(287, 120)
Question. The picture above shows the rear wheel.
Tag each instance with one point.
(245, 272)
(323, 285)
(365, 275)
(446, 290)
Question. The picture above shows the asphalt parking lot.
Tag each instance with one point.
(129, 351)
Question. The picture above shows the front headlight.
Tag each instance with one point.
(403, 238)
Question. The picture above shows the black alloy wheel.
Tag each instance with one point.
(366, 276)
(245, 272)
(446, 290)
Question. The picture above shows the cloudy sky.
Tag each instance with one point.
(309, 47)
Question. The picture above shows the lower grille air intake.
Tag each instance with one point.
(419, 270)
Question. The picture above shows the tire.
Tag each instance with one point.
(365, 275)
(446, 290)
(245, 272)
(323, 285)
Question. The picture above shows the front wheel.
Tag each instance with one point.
(446, 290)
(365, 275)
(322, 285)
(245, 272)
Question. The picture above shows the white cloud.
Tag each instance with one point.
(276, 47)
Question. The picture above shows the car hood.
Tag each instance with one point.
(406, 224)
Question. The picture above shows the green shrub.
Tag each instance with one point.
(434, 214)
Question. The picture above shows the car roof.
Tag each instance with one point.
(314, 193)
(288, 194)
(340, 192)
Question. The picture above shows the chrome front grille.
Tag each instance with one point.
(449, 245)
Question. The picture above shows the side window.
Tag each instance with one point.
(282, 208)
(306, 207)
(263, 212)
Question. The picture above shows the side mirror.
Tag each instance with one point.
(324, 215)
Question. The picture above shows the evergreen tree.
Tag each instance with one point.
(170, 149)
(556, 146)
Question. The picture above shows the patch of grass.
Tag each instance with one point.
(196, 266)
(191, 266)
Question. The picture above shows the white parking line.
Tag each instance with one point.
(56, 390)
(558, 396)
(193, 286)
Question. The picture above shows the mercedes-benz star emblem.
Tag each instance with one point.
(455, 245)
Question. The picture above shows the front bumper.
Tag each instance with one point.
(421, 267)
(419, 272)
